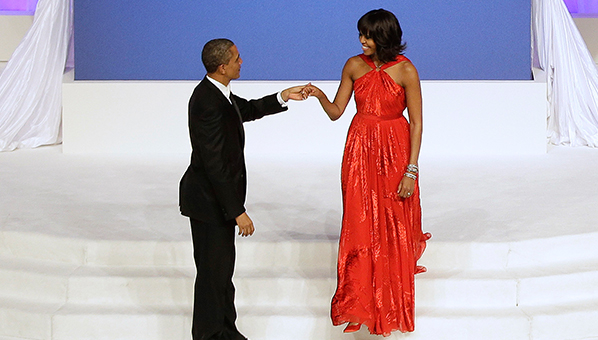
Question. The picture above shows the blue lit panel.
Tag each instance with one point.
(289, 40)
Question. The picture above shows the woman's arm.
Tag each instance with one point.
(411, 84)
(335, 109)
(413, 93)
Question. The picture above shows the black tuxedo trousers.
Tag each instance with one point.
(214, 311)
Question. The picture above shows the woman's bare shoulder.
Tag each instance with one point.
(354, 62)
(356, 67)
(407, 68)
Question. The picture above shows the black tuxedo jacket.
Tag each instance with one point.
(213, 189)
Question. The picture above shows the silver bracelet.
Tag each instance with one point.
(412, 168)
(410, 175)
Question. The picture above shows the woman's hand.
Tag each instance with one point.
(406, 187)
(312, 91)
(294, 93)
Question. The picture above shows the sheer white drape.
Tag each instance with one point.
(571, 75)
(31, 83)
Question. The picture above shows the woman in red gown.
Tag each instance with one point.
(381, 238)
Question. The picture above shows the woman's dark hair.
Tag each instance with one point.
(383, 27)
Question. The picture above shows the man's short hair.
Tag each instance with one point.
(215, 53)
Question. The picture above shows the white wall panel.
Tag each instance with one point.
(460, 118)
(12, 30)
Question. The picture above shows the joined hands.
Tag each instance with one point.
(310, 90)
(294, 93)
(301, 92)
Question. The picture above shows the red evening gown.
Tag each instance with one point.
(381, 238)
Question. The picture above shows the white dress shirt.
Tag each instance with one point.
(226, 91)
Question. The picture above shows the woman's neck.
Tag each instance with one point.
(376, 61)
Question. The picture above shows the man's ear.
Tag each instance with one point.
(220, 69)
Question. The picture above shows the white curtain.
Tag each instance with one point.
(571, 75)
(31, 83)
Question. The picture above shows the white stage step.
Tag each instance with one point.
(57, 288)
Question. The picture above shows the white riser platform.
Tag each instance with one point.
(523, 258)
(94, 248)
(429, 325)
(287, 296)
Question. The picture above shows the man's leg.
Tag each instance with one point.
(214, 311)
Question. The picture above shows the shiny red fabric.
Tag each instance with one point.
(381, 238)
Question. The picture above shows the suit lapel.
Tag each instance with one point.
(216, 91)
(232, 99)
(233, 108)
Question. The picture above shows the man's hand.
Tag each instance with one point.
(294, 93)
(245, 224)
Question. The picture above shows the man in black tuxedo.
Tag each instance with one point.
(213, 189)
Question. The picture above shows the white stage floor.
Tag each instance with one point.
(470, 200)
(88, 241)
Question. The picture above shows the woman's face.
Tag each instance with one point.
(367, 45)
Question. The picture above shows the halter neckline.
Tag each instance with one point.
(371, 63)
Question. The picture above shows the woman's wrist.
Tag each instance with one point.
(413, 168)
(410, 175)
(411, 171)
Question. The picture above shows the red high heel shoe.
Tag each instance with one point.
(352, 327)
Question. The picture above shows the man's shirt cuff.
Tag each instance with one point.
(280, 100)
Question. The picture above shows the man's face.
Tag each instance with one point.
(233, 68)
